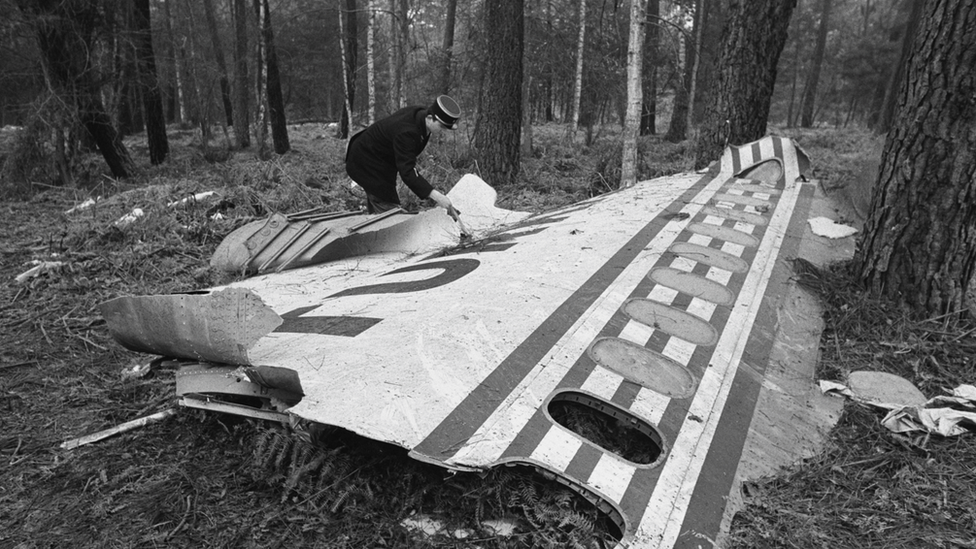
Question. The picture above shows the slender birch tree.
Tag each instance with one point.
(578, 79)
(635, 45)
(370, 63)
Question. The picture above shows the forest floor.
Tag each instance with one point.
(200, 479)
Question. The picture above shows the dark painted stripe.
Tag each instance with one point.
(346, 326)
(454, 431)
(584, 462)
(778, 153)
(451, 270)
(529, 438)
(757, 153)
(709, 499)
(736, 160)
(626, 394)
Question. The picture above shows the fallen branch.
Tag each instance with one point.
(127, 426)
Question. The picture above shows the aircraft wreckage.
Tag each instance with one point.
(653, 305)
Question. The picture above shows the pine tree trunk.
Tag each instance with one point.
(810, 90)
(65, 55)
(151, 98)
(241, 112)
(885, 117)
(448, 46)
(500, 116)
(753, 40)
(348, 32)
(276, 101)
(225, 94)
(648, 119)
(678, 125)
(918, 247)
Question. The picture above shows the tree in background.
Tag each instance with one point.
(885, 115)
(225, 95)
(241, 111)
(680, 119)
(348, 47)
(499, 121)
(628, 166)
(918, 247)
(272, 82)
(65, 31)
(450, 19)
(810, 90)
(753, 40)
(578, 74)
(652, 33)
(152, 99)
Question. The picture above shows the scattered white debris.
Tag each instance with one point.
(84, 205)
(824, 226)
(431, 526)
(943, 415)
(195, 198)
(217, 216)
(38, 268)
(501, 527)
(137, 370)
(130, 217)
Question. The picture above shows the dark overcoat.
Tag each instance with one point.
(389, 147)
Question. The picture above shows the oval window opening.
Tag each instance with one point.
(614, 429)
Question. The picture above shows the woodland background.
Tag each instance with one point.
(201, 60)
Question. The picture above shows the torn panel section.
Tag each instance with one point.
(215, 326)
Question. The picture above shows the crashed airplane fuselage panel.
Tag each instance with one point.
(650, 301)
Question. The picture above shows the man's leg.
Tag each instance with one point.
(375, 205)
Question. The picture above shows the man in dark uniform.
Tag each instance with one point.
(390, 146)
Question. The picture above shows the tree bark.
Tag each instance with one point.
(272, 83)
(370, 61)
(349, 46)
(64, 30)
(810, 90)
(241, 112)
(628, 166)
(678, 125)
(753, 40)
(448, 47)
(151, 98)
(919, 243)
(225, 94)
(578, 79)
(499, 119)
(648, 118)
(885, 117)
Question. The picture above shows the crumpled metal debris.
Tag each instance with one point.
(943, 415)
